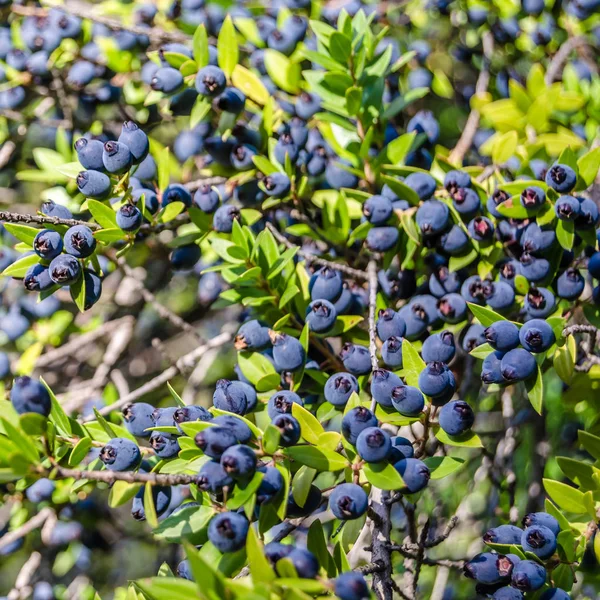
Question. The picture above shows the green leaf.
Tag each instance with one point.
(170, 211)
(21, 440)
(309, 425)
(255, 366)
(250, 85)
(412, 362)
(200, 47)
(384, 476)
(20, 267)
(588, 166)
(149, 506)
(301, 484)
(227, 47)
(590, 442)
(113, 234)
(564, 496)
(103, 214)
(271, 439)
(564, 360)
(481, 351)
(321, 460)
(264, 165)
(398, 149)
(442, 466)
(504, 147)
(162, 163)
(199, 112)
(260, 567)
(565, 233)
(486, 316)
(185, 523)
(80, 451)
(284, 73)
(22, 232)
(241, 495)
(169, 588)
(77, 290)
(340, 47)
(57, 415)
(465, 440)
(535, 391)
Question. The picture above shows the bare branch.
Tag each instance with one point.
(34, 523)
(110, 477)
(382, 526)
(373, 284)
(22, 589)
(560, 58)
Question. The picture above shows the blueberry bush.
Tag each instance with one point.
(300, 299)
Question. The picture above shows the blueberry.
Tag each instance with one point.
(184, 570)
(166, 79)
(532, 197)
(129, 218)
(64, 533)
(48, 244)
(401, 449)
(443, 281)
(206, 199)
(555, 594)
(252, 335)
(423, 122)
(52, 209)
(289, 430)
(228, 531)
(416, 319)
(454, 180)
(288, 353)
(116, 157)
(422, 183)
(561, 178)
(391, 352)
(415, 474)
(185, 257)
(456, 417)
(239, 462)
(138, 418)
(382, 384)
(536, 336)
(455, 241)
(281, 403)
(4, 365)
(186, 414)
(352, 586)
(270, 485)
(504, 534)
(378, 209)
(389, 324)
(348, 501)
(121, 454)
(373, 444)
(507, 593)
(241, 157)
(502, 335)
(79, 241)
(436, 379)
(339, 388)
(489, 568)
(282, 41)
(176, 192)
(231, 396)
(210, 81)
(535, 240)
(528, 576)
(474, 289)
(567, 208)
(224, 217)
(481, 229)
(40, 490)
(542, 519)
(466, 202)
(64, 269)
(408, 400)
(212, 477)
(539, 302)
(517, 365)
(213, 441)
(93, 184)
(439, 347)
(136, 140)
(237, 426)
(539, 540)
(43, 591)
(146, 170)
(356, 358)
(338, 177)
(509, 270)
(382, 239)
(89, 153)
(307, 105)
(355, 421)
(432, 217)
(275, 551)
(452, 308)
(500, 295)
(231, 101)
(534, 269)
(491, 368)
(165, 445)
(320, 316)
(588, 214)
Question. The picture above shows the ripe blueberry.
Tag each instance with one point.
(80, 241)
(239, 462)
(415, 474)
(382, 384)
(352, 586)
(391, 352)
(48, 244)
(356, 421)
(339, 388)
(213, 441)
(289, 429)
(439, 347)
(288, 353)
(356, 358)
(389, 324)
(348, 501)
(504, 534)
(542, 519)
(528, 576)
(408, 400)
(320, 316)
(129, 217)
(489, 568)
(212, 477)
(561, 178)
(373, 444)
(281, 403)
(517, 365)
(227, 531)
(121, 454)
(536, 335)
(539, 540)
(456, 417)
(116, 157)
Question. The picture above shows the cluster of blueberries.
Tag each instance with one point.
(510, 577)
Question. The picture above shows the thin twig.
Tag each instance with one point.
(373, 283)
(382, 526)
(34, 523)
(444, 536)
(311, 258)
(22, 589)
(560, 58)
(192, 186)
(466, 139)
(184, 362)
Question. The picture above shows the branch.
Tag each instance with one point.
(87, 11)
(110, 477)
(373, 284)
(22, 589)
(311, 258)
(184, 362)
(444, 536)
(560, 58)
(192, 186)
(420, 556)
(382, 525)
(466, 139)
(34, 523)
